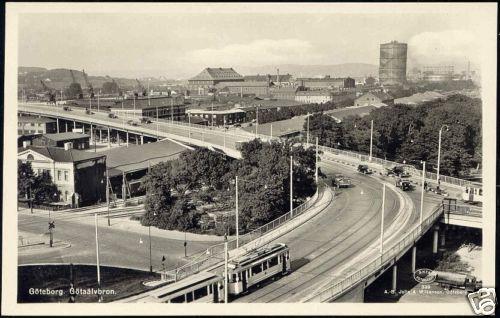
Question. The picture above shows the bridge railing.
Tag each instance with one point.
(431, 176)
(215, 253)
(338, 287)
(462, 209)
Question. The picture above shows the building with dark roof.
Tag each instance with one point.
(204, 82)
(284, 92)
(219, 117)
(377, 99)
(243, 88)
(326, 82)
(77, 140)
(30, 125)
(130, 164)
(78, 175)
(277, 80)
(147, 107)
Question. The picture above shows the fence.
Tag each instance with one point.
(215, 254)
(335, 289)
(411, 169)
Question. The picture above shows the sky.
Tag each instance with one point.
(180, 43)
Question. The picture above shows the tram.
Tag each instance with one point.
(203, 287)
(257, 266)
(473, 193)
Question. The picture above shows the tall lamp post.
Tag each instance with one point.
(371, 140)
(439, 151)
(422, 194)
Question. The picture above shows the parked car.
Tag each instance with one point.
(67, 108)
(364, 169)
(88, 112)
(111, 115)
(145, 120)
(133, 122)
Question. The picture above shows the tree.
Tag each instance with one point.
(44, 190)
(25, 178)
(158, 184)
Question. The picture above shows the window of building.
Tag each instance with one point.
(66, 175)
(59, 175)
(480, 191)
(264, 265)
(30, 157)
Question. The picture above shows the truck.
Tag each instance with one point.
(456, 280)
(404, 184)
(364, 169)
(340, 181)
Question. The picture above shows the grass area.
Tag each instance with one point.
(51, 283)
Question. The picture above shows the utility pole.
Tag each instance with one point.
(291, 183)
(225, 272)
(371, 140)
(97, 260)
(150, 258)
(107, 195)
(307, 139)
(185, 244)
(237, 223)
(422, 195)
(382, 224)
(316, 170)
(157, 122)
(439, 151)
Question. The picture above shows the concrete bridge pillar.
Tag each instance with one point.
(142, 139)
(124, 188)
(66, 127)
(435, 240)
(394, 277)
(100, 135)
(91, 133)
(414, 259)
(57, 121)
(136, 139)
(118, 137)
(127, 137)
(74, 124)
(109, 138)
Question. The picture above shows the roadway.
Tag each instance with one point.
(163, 128)
(117, 247)
(334, 243)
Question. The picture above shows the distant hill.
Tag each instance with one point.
(60, 78)
(338, 70)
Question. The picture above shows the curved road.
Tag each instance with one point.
(331, 239)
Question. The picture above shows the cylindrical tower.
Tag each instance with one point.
(392, 69)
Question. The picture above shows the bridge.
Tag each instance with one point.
(357, 268)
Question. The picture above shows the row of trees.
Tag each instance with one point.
(264, 179)
(405, 133)
(37, 188)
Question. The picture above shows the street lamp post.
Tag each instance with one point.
(237, 223)
(107, 196)
(291, 184)
(382, 224)
(316, 166)
(439, 151)
(371, 140)
(422, 194)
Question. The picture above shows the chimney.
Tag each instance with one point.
(68, 146)
(26, 143)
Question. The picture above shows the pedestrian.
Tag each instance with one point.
(425, 185)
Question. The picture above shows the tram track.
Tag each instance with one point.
(347, 234)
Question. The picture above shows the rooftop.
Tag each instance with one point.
(66, 136)
(273, 78)
(210, 74)
(380, 95)
(215, 112)
(241, 84)
(314, 93)
(138, 157)
(61, 155)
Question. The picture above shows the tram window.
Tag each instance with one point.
(264, 265)
(233, 278)
(239, 276)
(200, 292)
(210, 288)
(273, 261)
(178, 299)
(480, 191)
(189, 297)
(287, 255)
(466, 190)
(256, 269)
